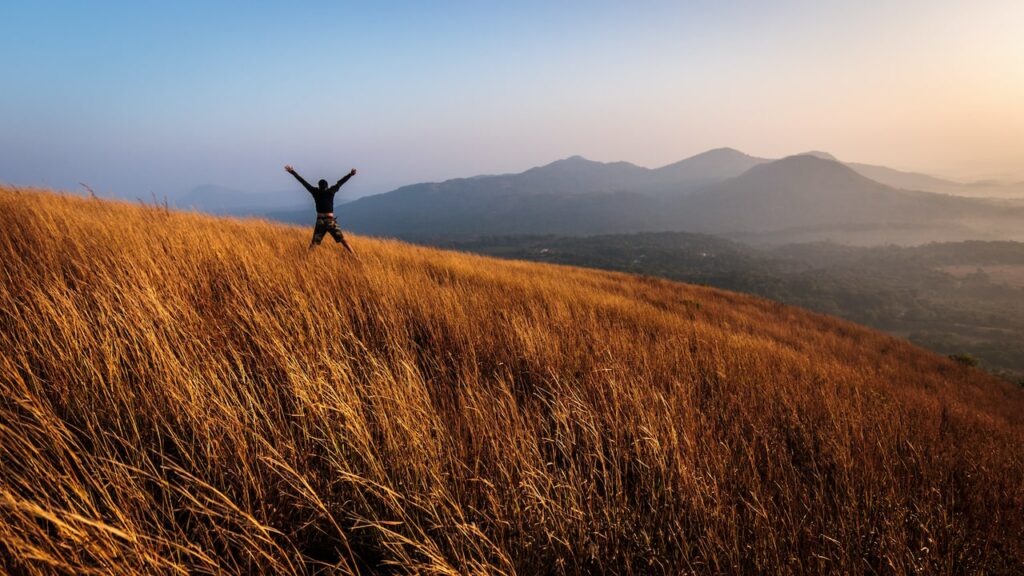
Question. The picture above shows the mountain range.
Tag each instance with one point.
(806, 197)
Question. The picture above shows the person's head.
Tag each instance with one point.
(322, 184)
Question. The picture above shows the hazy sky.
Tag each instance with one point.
(141, 97)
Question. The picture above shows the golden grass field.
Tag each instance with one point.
(189, 394)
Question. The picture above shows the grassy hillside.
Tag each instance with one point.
(185, 393)
(955, 298)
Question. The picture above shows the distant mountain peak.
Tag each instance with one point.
(723, 151)
(809, 160)
(571, 161)
(580, 164)
(715, 155)
(812, 172)
(819, 154)
(576, 159)
(713, 165)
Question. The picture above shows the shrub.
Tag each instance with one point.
(964, 360)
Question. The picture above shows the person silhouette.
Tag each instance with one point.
(323, 196)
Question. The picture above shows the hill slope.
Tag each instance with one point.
(703, 169)
(963, 298)
(924, 182)
(806, 191)
(180, 392)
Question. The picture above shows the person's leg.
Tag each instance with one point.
(339, 237)
(318, 233)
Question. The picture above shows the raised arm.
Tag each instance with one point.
(343, 180)
(292, 171)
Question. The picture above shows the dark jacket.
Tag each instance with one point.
(324, 198)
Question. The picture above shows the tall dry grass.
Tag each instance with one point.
(185, 394)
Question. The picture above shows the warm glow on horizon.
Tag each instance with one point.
(136, 99)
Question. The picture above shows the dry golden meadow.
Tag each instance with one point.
(188, 394)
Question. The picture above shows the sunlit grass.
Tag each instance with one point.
(187, 394)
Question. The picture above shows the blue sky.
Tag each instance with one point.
(141, 97)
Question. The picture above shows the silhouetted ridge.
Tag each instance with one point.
(724, 154)
(707, 167)
(819, 154)
(807, 192)
(808, 170)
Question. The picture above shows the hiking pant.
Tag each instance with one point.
(324, 225)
